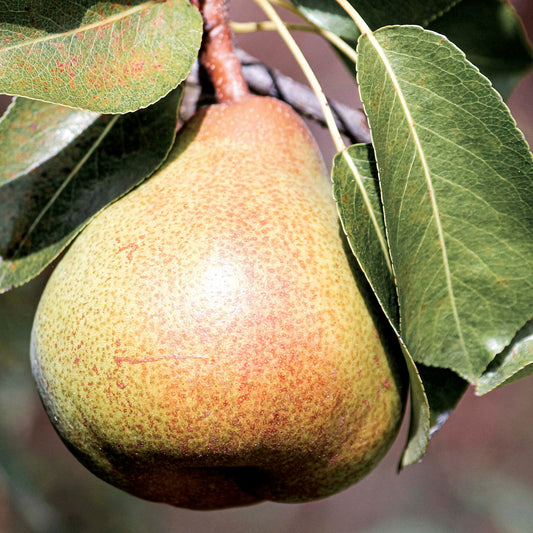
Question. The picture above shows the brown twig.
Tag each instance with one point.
(217, 54)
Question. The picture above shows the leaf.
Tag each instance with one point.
(31, 133)
(355, 187)
(456, 184)
(46, 200)
(492, 36)
(419, 422)
(327, 14)
(109, 57)
(514, 363)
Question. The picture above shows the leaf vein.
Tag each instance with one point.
(82, 29)
(427, 174)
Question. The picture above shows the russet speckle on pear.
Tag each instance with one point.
(204, 343)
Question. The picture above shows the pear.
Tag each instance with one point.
(204, 342)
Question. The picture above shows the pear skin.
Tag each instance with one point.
(204, 342)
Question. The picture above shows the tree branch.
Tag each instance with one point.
(266, 81)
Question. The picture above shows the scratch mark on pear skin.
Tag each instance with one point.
(120, 360)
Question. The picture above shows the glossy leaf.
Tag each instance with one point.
(456, 180)
(492, 36)
(355, 187)
(327, 14)
(514, 363)
(109, 57)
(31, 133)
(46, 200)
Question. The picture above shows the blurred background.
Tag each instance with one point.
(477, 476)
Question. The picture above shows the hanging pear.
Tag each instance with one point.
(204, 342)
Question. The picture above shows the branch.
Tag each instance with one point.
(266, 81)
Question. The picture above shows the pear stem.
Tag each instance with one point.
(217, 55)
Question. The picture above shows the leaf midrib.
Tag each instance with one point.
(82, 29)
(427, 174)
(381, 238)
(60, 189)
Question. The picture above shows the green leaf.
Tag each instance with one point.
(109, 57)
(327, 14)
(456, 184)
(355, 187)
(492, 37)
(514, 363)
(419, 422)
(356, 191)
(46, 199)
(31, 133)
